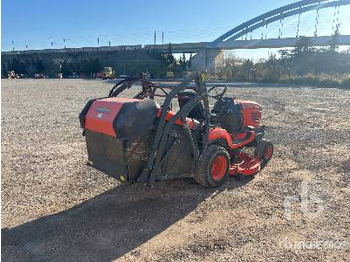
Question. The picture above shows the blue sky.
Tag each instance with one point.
(40, 22)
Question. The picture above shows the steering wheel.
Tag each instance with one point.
(218, 95)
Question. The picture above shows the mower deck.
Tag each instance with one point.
(246, 165)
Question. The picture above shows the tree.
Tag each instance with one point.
(59, 62)
(3, 69)
(184, 64)
(301, 55)
(189, 63)
(18, 65)
(95, 65)
(303, 46)
(334, 42)
(169, 56)
(228, 67)
(65, 65)
(39, 66)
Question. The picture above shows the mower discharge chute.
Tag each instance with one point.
(136, 140)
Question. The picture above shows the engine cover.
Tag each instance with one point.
(251, 112)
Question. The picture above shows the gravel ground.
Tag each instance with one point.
(56, 208)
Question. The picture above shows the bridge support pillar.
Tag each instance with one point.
(209, 59)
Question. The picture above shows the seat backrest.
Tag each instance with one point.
(229, 114)
(198, 111)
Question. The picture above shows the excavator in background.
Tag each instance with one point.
(107, 73)
(12, 75)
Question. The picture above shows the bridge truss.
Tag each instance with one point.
(229, 39)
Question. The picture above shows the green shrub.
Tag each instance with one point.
(330, 83)
(346, 83)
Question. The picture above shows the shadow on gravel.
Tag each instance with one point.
(107, 226)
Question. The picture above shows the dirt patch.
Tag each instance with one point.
(54, 207)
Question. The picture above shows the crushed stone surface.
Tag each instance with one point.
(56, 208)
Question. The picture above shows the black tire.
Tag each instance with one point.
(203, 174)
(264, 150)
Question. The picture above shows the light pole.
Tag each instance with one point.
(155, 37)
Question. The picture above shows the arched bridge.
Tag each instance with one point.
(237, 38)
(279, 14)
(211, 53)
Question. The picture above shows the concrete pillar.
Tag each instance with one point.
(209, 59)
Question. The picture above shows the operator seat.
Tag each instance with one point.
(198, 111)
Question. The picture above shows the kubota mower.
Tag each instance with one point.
(138, 140)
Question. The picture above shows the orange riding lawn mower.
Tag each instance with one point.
(138, 140)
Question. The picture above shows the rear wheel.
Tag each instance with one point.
(264, 150)
(213, 166)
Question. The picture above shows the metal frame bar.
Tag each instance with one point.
(151, 171)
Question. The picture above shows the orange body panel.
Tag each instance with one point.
(220, 133)
(170, 114)
(102, 113)
(251, 112)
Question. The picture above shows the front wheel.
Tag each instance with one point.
(213, 166)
